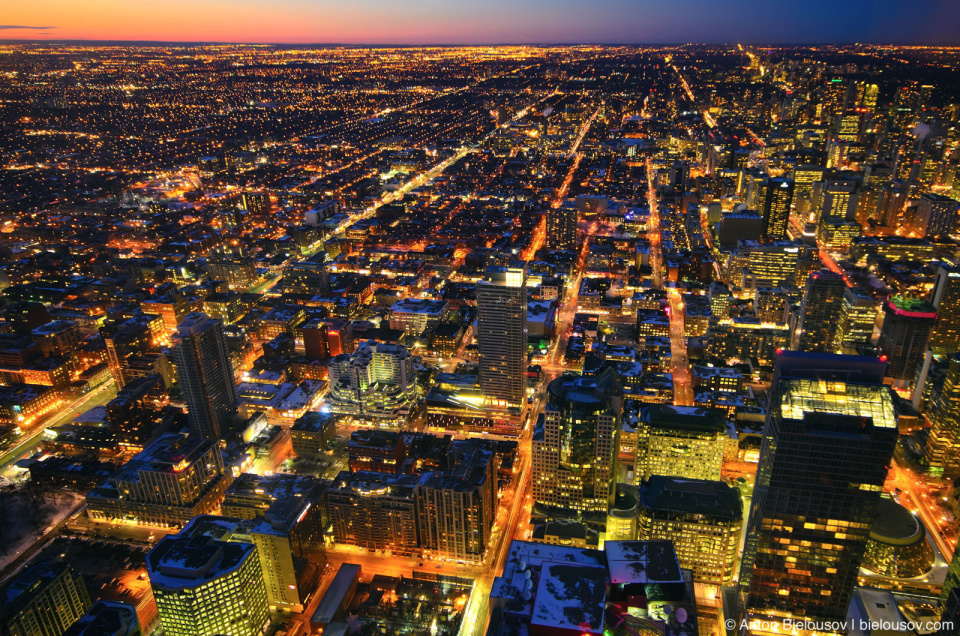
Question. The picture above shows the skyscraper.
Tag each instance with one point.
(575, 446)
(858, 313)
(778, 197)
(820, 311)
(205, 374)
(943, 448)
(829, 436)
(945, 338)
(289, 542)
(502, 334)
(562, 228)
(907, 323)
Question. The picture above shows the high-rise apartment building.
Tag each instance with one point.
(375, 511)
(204, 585)
(778, 197)
(502, 334)
(830, 433)
(456, 508)
(907, 323)
(820, 311)
(945, 338)
(446, 512)
(43, 600)
(702, 518)
(205, 375)
(562, 228)
(575, 445)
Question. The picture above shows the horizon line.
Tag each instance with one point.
(14, 41)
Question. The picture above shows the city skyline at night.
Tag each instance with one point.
(482, 319)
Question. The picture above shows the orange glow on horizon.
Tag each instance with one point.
(278, 21)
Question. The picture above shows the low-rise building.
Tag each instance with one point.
(313, 433)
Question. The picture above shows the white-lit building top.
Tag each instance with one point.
(799, 396)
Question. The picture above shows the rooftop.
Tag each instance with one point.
(632, 562)
(800, 396)
(692, 496)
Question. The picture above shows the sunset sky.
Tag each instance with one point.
(489, 21)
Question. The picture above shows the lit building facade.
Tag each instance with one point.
(575, 446)
(820, 311)
(456, 508)
(945, 338)
(943, 446)
(502, 334)
(376, 382)
(680, 441)
(562, 228)
(375, 511)
(205, 374)
(43, 600)
(204, 586)
(858, 314)
(174, 479)
(778, 198)
(289, 540)
(702, 518)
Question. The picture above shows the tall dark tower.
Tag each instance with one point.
(205, 374)
(829, 436)
(778, 197)
(907, 324)
(820, 311)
